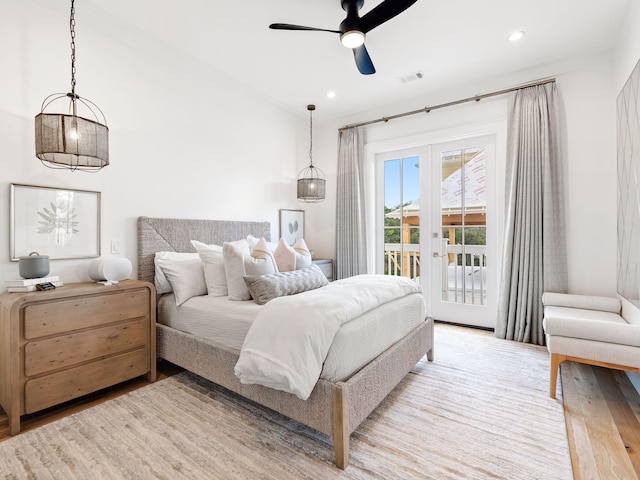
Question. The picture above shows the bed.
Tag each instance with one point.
(335, 408)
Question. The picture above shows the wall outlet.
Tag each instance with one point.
(115, 246)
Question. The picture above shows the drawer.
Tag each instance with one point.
(65, 351)
(44, 392)
(51, 318)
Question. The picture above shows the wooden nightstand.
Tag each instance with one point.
(60, 344)
(326, 265)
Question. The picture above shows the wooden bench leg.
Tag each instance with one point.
(341, 425)
(556, 360)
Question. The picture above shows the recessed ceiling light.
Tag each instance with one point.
(515, 36)
(331, 94)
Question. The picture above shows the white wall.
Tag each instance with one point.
(591, 180)
(185, 141)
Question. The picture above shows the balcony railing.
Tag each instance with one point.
(464, 275)
(402, 259)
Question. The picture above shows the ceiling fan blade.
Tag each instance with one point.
(363, 60)
(383, 12)
(287, 26)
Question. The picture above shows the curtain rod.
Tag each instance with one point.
(476, 98)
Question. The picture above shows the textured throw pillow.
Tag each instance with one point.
(161, 283)
(285, 256)
(185, 276)
(267, 287)
(213, 260)
(237, 263)
(303, 254)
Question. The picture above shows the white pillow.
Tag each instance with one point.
(213, 260)
(161, 282)
(285, 256)
(263, 250)
(253, 241)
(237, 264)
(303, 254)
(186, 277)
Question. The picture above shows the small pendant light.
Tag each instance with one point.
(68, 140)
(311, 180)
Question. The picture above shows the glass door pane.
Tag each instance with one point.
(463, 204)
(402, 217)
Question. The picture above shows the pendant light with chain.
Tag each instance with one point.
(311, 180)
(69, 140)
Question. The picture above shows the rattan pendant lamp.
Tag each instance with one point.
(71, 140)
(311, 180)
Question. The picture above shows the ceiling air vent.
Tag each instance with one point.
(411, 77)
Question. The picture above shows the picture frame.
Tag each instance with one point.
(291, 225)
(59, 222)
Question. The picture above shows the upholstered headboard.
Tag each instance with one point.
(175, 235)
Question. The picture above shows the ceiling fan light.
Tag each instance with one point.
(352, 38)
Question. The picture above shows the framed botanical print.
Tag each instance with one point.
(291, 225)
(58, 222)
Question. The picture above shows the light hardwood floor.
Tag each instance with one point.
(602, 413)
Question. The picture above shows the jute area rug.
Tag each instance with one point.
(479, 411)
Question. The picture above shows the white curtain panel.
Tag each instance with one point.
(534, 256)
(351, 241)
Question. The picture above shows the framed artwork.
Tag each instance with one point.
(291, 225)
(57, 222)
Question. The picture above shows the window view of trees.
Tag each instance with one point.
(394, 235)
(401, 216)
(472, 236)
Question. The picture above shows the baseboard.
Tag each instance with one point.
(488, 329)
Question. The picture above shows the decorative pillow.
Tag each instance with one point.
(267, 287)
(213, 260)
(285, 256)
(161, 282)
(237, 263)
(253, 241)
(262, 250)
(185, 276)
(303, 254)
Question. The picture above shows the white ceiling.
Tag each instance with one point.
(453, 42)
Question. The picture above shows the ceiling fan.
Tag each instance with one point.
(354, 28)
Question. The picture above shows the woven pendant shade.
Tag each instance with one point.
(311, 185)
(71, 142)
(311, 180)
(68, 140)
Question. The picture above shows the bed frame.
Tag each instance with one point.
(335, 409)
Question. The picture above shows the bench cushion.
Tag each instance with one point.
(590, 325)
(588, 302)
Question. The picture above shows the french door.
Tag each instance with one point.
(462, 241)
(439, 225)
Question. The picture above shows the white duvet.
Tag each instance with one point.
(291, 336)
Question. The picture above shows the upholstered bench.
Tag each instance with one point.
(588, 329)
